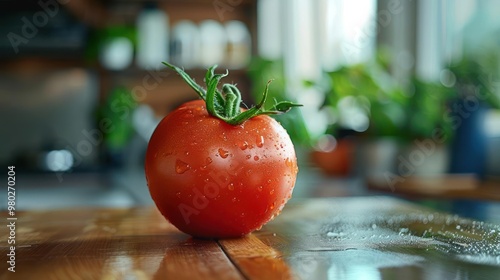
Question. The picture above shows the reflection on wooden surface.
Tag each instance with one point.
(348, 238)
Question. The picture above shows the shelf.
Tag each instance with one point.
(42, 63)
(194, 72)
(101, 14)
(106, 12)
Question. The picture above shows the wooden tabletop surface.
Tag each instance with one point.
(452, 186)
(335, 238)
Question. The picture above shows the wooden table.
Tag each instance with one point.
(336, 238)
(451, 186)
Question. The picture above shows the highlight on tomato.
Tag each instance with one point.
(216, 170)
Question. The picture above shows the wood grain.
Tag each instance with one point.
(111, 244)
(255, 259)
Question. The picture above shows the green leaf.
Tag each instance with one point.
(227, 105)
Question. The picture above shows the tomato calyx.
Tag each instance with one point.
(226, 104)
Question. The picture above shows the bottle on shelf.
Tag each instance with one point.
(238, 44)
(153, 37)
(213, 41)
(185, 46)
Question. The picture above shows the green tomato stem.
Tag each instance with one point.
(227, 105)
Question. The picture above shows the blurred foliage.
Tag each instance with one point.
(393, 111)
(117, 111)
(373, 92)
(99, 37)
(260, 72)
(404, 112)
(414, 111)
(427, 108)
(478, 75)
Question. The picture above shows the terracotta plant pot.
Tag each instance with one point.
(337, 161)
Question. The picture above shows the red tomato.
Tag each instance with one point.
(211, 179)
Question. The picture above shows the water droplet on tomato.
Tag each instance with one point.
(242, 214)
(271, 192)
(248, 156)
(181, 167)
(188, 114)
(256, 158)
(281, 208)
(223, 153)
(178, 194)
(230, 186)
(272, 206)
(223, 136)
(260, 188)
(288, 162)
(260, 141)
(243, 145)
(234, 199)
(209, 160)
(269, 181)
(186, 153)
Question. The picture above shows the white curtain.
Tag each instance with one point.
(312, 36)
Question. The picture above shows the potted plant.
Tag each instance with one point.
(367, 103)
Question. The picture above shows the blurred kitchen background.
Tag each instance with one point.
(400, 97)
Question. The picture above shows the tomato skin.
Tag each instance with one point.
(215, 180)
